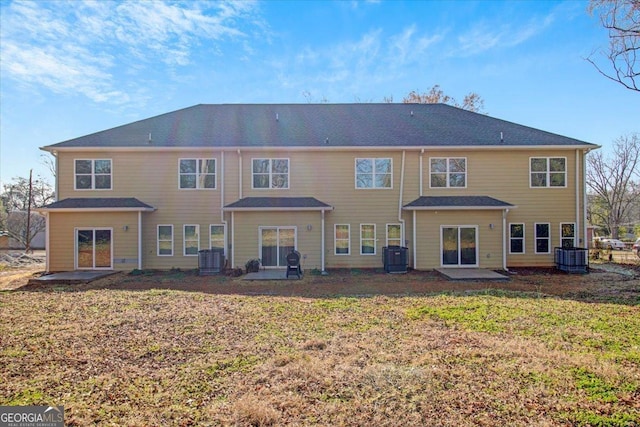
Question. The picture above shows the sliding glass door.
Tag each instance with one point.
(94, 249)
(459, 246)
(275, 244)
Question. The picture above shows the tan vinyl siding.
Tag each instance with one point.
(308, 233)
(329, 176)
(61, 253)
(488, 239)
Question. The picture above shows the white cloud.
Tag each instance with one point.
(485, 36)
(88, 47)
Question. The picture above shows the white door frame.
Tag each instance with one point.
(477, 247)
(277, 228)
(75, 245)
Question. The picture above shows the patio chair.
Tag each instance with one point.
(293, 264)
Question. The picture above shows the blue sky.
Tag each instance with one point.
(73, 68)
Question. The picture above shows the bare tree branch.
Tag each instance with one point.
(621, 18)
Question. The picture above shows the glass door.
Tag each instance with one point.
(459, 246)
(275, 244)
(94, 249)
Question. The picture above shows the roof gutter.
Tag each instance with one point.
(266, 147)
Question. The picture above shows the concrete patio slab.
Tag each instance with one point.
(72, 277)
(471, 274)
(270, 275)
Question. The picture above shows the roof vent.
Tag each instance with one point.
(150, 140)
(501, 138)
(411, 113)
(277, 117)
(326, 140)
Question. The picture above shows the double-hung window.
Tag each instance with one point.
(165, 240)
(367, 239)
(543, 238)
(394, 235)
(197, 173)
(342, 239)
(93, 174)
(516, 238)
(216, 236)
(270, 173)
(567, 234)
(374, 173)
(548, 171)
(448, 172)
(191, 240)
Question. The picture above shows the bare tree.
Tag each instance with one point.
(49, 162)
(621, 18)
(611, 181)
(435, 95)
(18, 198)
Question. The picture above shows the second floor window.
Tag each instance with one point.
(93, 174)
(197, 173)
(270, 173)
(448, 172)
(548, 171)
(373, 173)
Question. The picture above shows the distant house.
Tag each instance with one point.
(337, 182)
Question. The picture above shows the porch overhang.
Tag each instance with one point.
(265, 204)
(438, 203)
(97, 204)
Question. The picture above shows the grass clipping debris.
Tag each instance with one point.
(165, 357)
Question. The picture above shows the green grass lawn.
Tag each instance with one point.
(162, 357)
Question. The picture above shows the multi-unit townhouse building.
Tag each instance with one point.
(337, 182)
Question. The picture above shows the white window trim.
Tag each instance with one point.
(574, 238)
(387, 236)
(270, 187)
(375, 239)
(93, 175)
(447, 173)
(549, 172)
(535, 237)
(198, 173)
(477, 235)
(335, 239)
(224, 234)
(524, 238)
(75, 248)
(184, 240)
(158, 239)
(373, 160)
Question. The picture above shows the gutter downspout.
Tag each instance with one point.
(47, 246)
(402, 235)
(584, 197)
(240, 174)
(575, 238)
(504, 239)
(421, 177)
(139, 240)
(226, 227)
(415, 249)
(233, 246)
(323, 271)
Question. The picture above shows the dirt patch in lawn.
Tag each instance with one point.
(602, 283)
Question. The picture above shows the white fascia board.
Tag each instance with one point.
(326, 148)
(458, 208)
(77, 210)
(330, 208)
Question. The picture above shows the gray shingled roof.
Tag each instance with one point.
(250, 203)
(320, 125)
(453, 202)
(129, 203)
